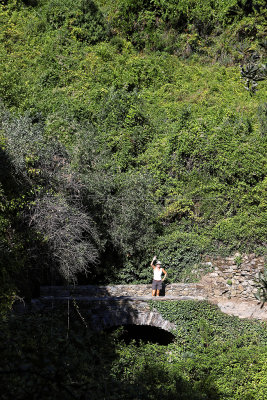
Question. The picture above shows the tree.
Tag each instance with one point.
(70, 233)
(50, 201)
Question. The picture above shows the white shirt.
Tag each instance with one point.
(157, 273)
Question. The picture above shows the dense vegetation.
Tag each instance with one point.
(125, 130)
(213, 357)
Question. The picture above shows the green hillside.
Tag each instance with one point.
(129, 128)
(126, 130)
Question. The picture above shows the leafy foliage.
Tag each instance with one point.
(46, 359)
(161, 151)
(82, 19)
(128, 132)
(199, 324)
(170, 25)
(67, 231)
(261, 294)
(213, 357)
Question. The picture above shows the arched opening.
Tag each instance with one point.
(143, 333)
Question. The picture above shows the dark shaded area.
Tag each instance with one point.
(106, 271)
(44, 366)
(31, 3)
(23, 255)
(143, 333)
(11, 182)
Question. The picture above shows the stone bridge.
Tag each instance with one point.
(230, 285)
(108, 306)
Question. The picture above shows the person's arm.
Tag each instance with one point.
(152, 262)
(165, 274)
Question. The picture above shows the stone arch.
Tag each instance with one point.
(106, 312)
(153, 318)
(128, 314)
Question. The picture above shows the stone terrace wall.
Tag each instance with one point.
(233, 277)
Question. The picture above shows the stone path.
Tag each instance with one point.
(241, 309)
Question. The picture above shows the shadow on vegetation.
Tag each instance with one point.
(11, 181)
(22, 253)
(55, 355)
(143, 334)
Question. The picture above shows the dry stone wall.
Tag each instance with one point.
(233, 277)
(231, 285)
(171, 290)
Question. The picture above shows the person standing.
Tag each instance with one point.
(157, 281)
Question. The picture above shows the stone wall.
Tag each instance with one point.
(233, 277)
(230, 285)
(173, 290)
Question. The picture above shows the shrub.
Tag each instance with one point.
(82, 19)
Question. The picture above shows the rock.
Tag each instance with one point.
(209, 263)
